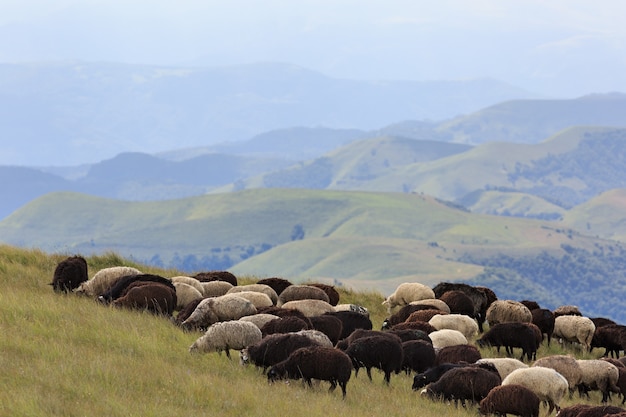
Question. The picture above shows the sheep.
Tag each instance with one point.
(507, 311)
(333, 294)
(597, 375)
(223, 308)
(227, 335)
(417, 356)
(601, 411)
(277, 284)
(601, 321)
(575, 329)
(481, 297)
(285, 312)
(460, 322)
(351, 321)
(315, 362)
(544, 319)
(511, 335)
(215, 288)
(316, 336)
(151, 296)
(566, 365)
(69, 274)
(463, 384)
(458, 354)
(401, 315)
(302, 292)
(549, 385)
(510, 399)
(310, 307)
(424, 315)
(504, 365)
(406, 293)
(284, 325)
(447, 337)
(353, 307)
(410, 334)
(216, 276)
(259, 319)
(608, 337)
(331, 326)
(185, 294)
(273, 349)
(532, 305)
(189, 281)
(186, 312)
(380, 352)
(414, 325)
(458, 302)
(121, 286)
(361, 333)
(262, 288)
(259, 299)
(433, 303)
(567, 310)
(104, 279)
(621, 383)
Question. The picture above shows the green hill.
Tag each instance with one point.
(601, 216)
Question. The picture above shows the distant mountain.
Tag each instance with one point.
(77, 112)
(531, 121)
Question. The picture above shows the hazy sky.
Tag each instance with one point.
(558, 47)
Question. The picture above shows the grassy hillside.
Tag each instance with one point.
(69, 356)
(601, 216)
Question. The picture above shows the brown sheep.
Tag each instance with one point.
(278, 284)
(510, 399)
(216, 276)
(153, 297)
(458, 354)
(69, 274)
(331, 292)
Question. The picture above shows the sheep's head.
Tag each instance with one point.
(419, 381)
(275, 373)
(244, 357)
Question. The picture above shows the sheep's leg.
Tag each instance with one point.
(551, 406)
(228, 353)
(343, 388)
(369, 373)
(387, 377)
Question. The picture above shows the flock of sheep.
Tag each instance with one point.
(304, 332)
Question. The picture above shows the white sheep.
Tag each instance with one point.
(566, 365)
(574, 329)
(447, 337)
(104, 279)
(262, 288)
(302, 292)
(465, 324)
(406, 293)
(215, 288)
(227, 335)
(189, 281)
(309, 308)
(215, 309)
(353, 307)
(598, 374)
(508, 311)
(504, 365)
(185, 294)
(549, 385)
(316, 336)
(433, 302)
(259, 299)
(260, 319)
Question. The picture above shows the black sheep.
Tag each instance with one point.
(410, 334)
(415, 325)
(331, 326)
(216, 276)
(274, 348)
(609, 337)
(121, 286)
(600, 411)
(277, 284)
(478, 295)
(467, 383)
(511, 335)
(531, 305)
(510, 399)
(544, 319)
(458, 354)
(285, 312)
(418, 356)
(381, 352)
(69, 274)
(331, 292)
(433, 374)
(361, 333)
(316, 362)
(284, 325)
(459, 303)
(401, 315)
(351, 321)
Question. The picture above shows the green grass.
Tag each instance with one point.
(64, 355)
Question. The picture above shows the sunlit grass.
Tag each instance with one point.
(64, 355)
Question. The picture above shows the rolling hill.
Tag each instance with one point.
(362, 240)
